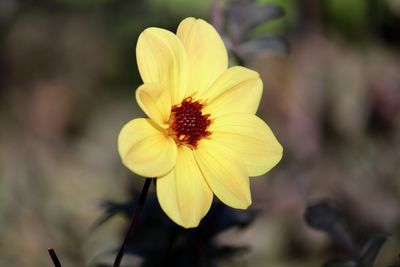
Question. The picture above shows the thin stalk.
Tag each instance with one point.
(54, 257)
(134, 222)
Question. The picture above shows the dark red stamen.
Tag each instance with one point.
(188, 124)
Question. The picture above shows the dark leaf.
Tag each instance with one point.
(371, 250)
(160, 242)
(243, 16)
(252, 48)
(221, 218)
(323, 214)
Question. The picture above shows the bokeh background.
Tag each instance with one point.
(331, 72)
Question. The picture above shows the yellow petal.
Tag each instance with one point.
(155, 101)
(237, 90)
(251, 138)
(225, 173)
(145, 150)
(206, 53)
(183, 193)
(162, 59)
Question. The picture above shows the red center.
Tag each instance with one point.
(189, 125)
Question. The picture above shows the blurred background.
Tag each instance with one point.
(331, 73)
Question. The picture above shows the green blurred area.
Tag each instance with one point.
(348, 16)
(282, 24)
(68, 76)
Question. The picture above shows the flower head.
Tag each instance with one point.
(202, 136)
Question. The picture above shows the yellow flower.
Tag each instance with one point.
(202, 135)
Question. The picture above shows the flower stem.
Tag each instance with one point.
(54, 257)
(134, 222)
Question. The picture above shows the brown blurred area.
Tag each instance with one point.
(67, 81)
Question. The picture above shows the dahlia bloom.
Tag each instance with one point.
(202, 136)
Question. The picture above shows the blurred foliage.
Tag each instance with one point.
(183, 7)
(326, 215)
(84, 3)
(239, 26)
(175, 245)
(284, 23)
(67, 81)
(349, 17)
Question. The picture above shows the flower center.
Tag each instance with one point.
(188, 124)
